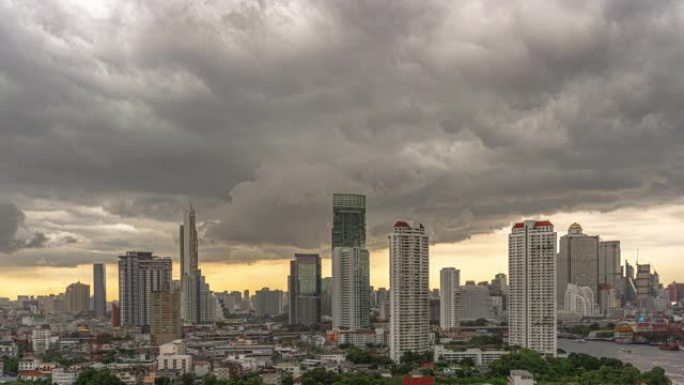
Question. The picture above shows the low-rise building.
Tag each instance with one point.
(61, 376)
(520, 377)
(479, 357)
(173, 357)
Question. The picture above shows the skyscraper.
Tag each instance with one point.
(304, 287)
(351, 288)
(532, 289)
(449, 298)
(189, 246)
(349, 220)
(609, 275)
(77, 298)
(409, 290)
(99, 290)
(197, 300)
(140, 274)
(165, 321)
(326, 296)
(268, 303)
(475, 302)
(350, 263)
(578, 257)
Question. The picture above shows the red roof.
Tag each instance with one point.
(419, 380)
(518, 225)
(401, 224)
(542, 223)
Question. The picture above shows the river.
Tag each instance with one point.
(643, 357)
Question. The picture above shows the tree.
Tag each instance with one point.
(10, 365)
(92, 376)
(287, 379)
(629, 375)
(162, 381)
(656, 376)
(186, 379)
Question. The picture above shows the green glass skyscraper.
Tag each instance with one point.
(349, 220)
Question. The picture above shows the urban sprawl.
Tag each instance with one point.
(341, 330)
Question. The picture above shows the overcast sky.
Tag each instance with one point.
(464, 115)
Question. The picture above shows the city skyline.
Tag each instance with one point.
(282, 192)
(470, 252)
(101, 153)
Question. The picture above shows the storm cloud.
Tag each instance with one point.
(464, 115)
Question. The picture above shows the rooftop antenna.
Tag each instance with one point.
(637, 257)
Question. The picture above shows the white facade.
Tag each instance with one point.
(449, 298)
(172, 356)
(40, 339)
(579, 300)
(61, 376)
(351, 288)
(532, 274)
(479, 357)
(520, 377)
(409, 290)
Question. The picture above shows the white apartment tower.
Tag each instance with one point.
(449, 298)
(532, 287)
(409, 290)
(351, 288)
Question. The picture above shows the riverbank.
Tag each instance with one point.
(644, 357)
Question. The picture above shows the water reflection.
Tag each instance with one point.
(642, 356)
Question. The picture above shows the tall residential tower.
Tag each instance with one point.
(141, 274)
(449, 298)
(532, 286)
(409, 290)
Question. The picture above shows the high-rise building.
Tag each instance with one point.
(449, 298)
(326, 296)
(198, 304)
(644, 286)
(351, 288)
(246, 300)
(77, 297)
(579, 300)
(99, 290)
(165, 321)
(532, 287)
(116, 315)
(140, 274)
(268, 303)
(349, 220)
(189, 245)
(350, 263)
(578, 262)
(609, 275)
(409, 290)
(383, 303)
(499, 284)
(304, 287)
(475, 302)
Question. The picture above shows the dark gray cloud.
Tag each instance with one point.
(464, 115)
(11, 217)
